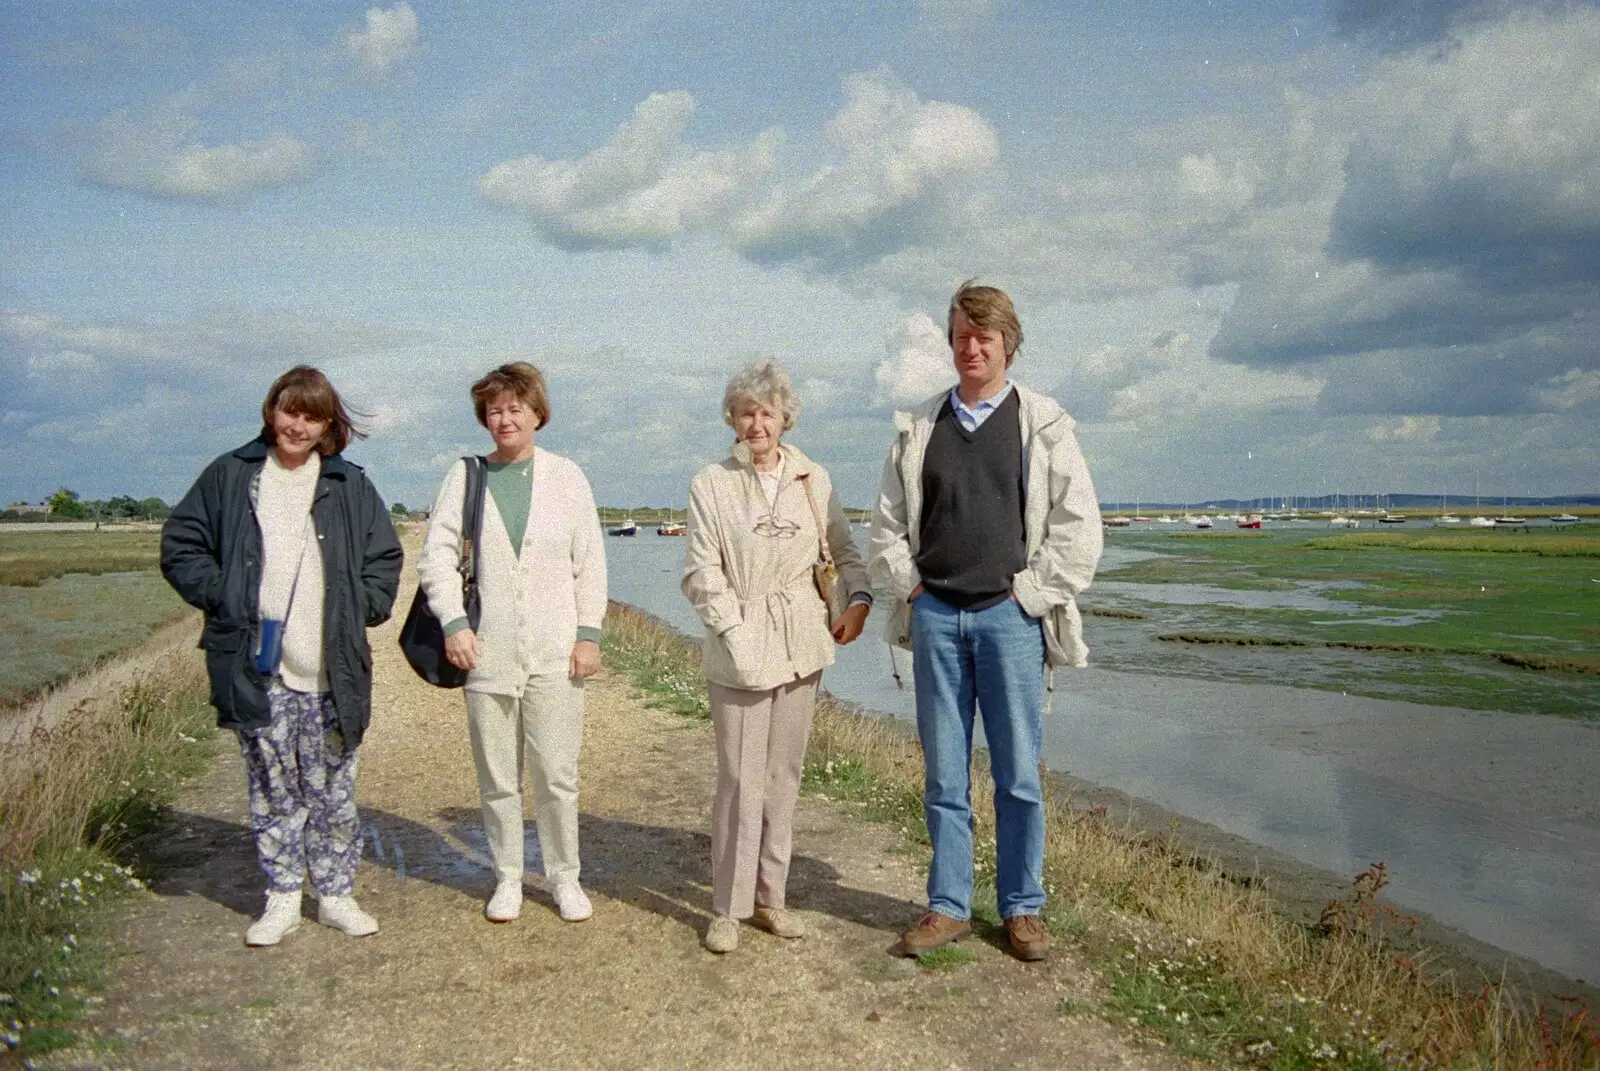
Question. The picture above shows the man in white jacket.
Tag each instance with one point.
(985, 530)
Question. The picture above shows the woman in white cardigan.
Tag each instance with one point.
(542, 584)
(752, 540)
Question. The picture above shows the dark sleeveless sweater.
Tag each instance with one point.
(971, 535)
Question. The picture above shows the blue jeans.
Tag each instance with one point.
(992, 659)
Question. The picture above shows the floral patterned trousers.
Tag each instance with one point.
(303, 794)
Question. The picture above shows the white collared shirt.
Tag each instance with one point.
(972, 417)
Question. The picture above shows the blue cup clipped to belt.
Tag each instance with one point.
(269, 649)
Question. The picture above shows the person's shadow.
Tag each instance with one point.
(662, 869)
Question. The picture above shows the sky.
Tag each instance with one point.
(1265, 248)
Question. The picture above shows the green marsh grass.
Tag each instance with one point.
(1186, 954)
(69, 600)
(1536, 542)
(1511, 629)
(28, 559)
(74, 798)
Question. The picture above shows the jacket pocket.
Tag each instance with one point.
(745, 648)
(238, 691)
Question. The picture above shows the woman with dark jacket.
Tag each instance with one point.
(288, 549)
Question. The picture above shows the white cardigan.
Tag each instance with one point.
(533, 602)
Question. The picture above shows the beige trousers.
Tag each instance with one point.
(542, 730)
(761, 750)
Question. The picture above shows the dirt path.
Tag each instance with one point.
(440, 987)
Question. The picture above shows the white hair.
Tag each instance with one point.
(763, 381)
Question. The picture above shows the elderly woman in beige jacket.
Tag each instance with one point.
(752, 540)
(542, 584)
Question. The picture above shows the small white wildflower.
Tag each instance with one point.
(1325, 1052)
(28, 877)
(1183, 1017)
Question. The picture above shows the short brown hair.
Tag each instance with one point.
(520, 380)
(986, 307)
(305, 390)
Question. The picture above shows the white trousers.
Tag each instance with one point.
(542, 730)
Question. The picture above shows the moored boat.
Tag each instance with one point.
(1252, 520)
(1564, 518)
(626, 528)
(671, 528)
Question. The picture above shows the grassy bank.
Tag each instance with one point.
(1186, 954)
(73, 800)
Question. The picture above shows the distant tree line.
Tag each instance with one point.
(66, 505)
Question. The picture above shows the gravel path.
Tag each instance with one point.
(441, 987)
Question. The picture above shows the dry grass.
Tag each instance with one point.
(70, 784)
(1170, 931)
(74, 790)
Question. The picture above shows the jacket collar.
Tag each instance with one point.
(254, 452)
(795, 463)
(1037, 412)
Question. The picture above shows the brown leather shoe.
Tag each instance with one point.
(932, 931)
(1028, 939)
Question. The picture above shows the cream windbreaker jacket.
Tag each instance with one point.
(533, 602)
(1061, 518)
(748, 575)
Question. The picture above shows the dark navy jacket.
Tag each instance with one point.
(211, 554)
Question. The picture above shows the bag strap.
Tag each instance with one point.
(472, 519)
(823, 553)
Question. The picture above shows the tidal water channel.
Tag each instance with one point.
(1489, 822)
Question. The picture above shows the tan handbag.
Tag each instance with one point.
(823, 572)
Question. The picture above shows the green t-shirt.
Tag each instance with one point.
(511, 488)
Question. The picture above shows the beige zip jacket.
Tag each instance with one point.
(747, 570)
(533, 601)
(1061, 518)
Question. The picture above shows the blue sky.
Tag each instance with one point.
(1257, 248)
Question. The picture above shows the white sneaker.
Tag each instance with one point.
(346, 916)
(722, 935)
(279, 920)
(506, 903)
(572, 902)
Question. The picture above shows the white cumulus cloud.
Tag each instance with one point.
(917, 363)
(163, 157)
(390, 37)
(898, 151)
(643, 187)
(1576, 388)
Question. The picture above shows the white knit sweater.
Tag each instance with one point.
(283, 511)
(534, 601)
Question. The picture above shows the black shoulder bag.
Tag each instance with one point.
(422, 636)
